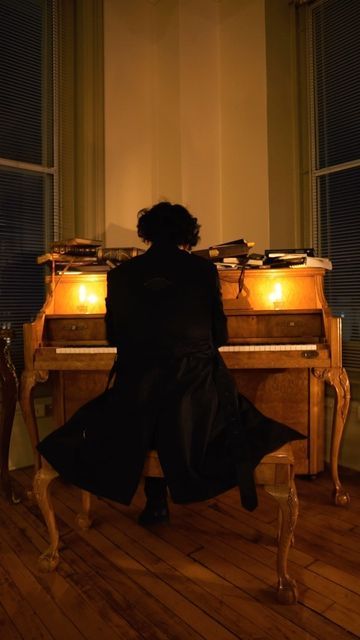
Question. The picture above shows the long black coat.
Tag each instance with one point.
(172, 391)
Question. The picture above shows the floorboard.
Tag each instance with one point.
(209, 574)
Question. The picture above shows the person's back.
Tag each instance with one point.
(164, 302)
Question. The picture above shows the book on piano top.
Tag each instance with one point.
(230, 263)
(232, 249)
(255, 260)
(275, 258)
(75, 246)
(298, 260)
(313, 261)
(276, 253)
(82, 255)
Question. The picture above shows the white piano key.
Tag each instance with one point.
(86, 350)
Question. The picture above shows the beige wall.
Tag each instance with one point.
(282, 126)
(244, 145)
(186, 115)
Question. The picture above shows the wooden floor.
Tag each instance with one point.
(209, 574)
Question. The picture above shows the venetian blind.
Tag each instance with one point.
(335, 72)
(27, 167)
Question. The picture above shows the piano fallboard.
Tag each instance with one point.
(246, 326)
(74, 329)
(266, 359)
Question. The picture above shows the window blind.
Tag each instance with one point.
(26, 159)
(335, 60)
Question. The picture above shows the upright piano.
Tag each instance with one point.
(284, 345)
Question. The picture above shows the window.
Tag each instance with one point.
(334, 71)
(28, 172)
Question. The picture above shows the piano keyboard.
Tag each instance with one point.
(269, 347)
(86, 350)
(233, 347)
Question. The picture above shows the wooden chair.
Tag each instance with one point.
(275, 473)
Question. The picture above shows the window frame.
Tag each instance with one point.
(308, 145)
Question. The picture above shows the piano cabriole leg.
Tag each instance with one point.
(43, 479)
(9, 385)
(289, 509)
(337, 378)
(28, 381)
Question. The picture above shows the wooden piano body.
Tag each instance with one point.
(284, 346)
(72, 317)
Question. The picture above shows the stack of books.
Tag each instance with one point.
(293, 258)
(87, 254)
(296, 258)
(228, 254)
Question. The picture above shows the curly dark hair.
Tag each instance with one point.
(170, 223)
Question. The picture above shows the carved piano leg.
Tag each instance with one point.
(289, 509)
(28, 381)
(9, 386)
(84, 519)
(43, 480)
(337, 378)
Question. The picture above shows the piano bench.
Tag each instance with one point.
(275, 473)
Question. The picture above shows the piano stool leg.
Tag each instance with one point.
(84, 519)
(289, 507)
(280, 521)
(42, 485)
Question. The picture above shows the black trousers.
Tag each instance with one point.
(155, 491)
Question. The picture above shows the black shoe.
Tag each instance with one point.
(154, 515)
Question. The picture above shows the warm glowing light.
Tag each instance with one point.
(79, 293)
(276, 294)
(86, 299)
(82, 293)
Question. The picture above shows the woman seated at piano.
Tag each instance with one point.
(170, 390)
